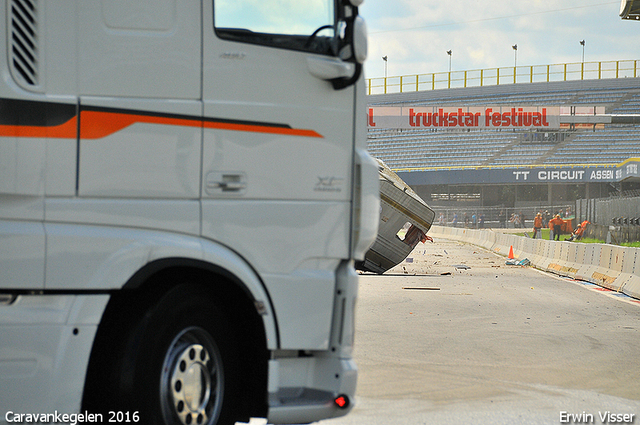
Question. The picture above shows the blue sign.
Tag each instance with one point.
(521, 175)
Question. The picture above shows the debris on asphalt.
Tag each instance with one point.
(421, 288)
(515, 262)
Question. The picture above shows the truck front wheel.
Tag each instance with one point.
(192, 379)
(171, 360)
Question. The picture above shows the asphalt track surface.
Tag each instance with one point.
(455, 336)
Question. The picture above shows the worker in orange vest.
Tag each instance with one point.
(555, 224)
(537, 226)
(579, 232)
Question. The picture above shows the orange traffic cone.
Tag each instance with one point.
(511, 257)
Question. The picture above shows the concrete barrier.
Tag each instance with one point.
(527, 248)
(575, 258)
(489, 239)
(603, 274)
(587, 267)
(553, 254)
(565, 262)
(556, 259)
(536, 254)
(502, 244)
(630, 268)
(519, 247)
(631, 284)
(547, 256)
(613, 267)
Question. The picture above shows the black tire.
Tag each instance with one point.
(174, 363)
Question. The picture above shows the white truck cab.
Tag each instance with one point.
(184, 189)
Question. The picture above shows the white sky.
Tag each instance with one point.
(416, 34)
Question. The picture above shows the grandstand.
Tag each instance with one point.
(517, 164)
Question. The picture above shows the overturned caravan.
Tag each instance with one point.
(405, 220)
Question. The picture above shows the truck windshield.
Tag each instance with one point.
(307, 25)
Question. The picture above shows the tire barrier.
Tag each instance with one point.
(613, 267)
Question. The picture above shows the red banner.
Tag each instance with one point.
(525, 117)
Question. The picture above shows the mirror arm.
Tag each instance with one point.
(344, 82)
(341, 83)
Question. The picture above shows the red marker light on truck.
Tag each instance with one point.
(342, 401)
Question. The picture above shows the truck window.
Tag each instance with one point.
(307, 25)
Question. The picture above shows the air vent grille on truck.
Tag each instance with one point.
(24, 42)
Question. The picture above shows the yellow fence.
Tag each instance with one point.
(507, 75)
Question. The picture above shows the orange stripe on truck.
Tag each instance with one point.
(67, 130)
(97, 123)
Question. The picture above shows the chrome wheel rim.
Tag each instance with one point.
(192, 381)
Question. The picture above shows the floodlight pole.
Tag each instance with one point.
(385, 58)
(515, 62)
(582, 42)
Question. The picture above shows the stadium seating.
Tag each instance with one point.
(421, 148)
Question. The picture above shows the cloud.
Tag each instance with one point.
(416, 35)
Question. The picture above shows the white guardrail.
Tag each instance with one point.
(613, 267)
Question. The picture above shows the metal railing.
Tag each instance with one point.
(506, 75)
(478, 217)
(613, 218)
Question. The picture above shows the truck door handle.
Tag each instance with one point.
(222, 182)
(229, 186)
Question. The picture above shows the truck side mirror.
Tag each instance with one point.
(360, 44)
(344, 69)
(355, 50)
